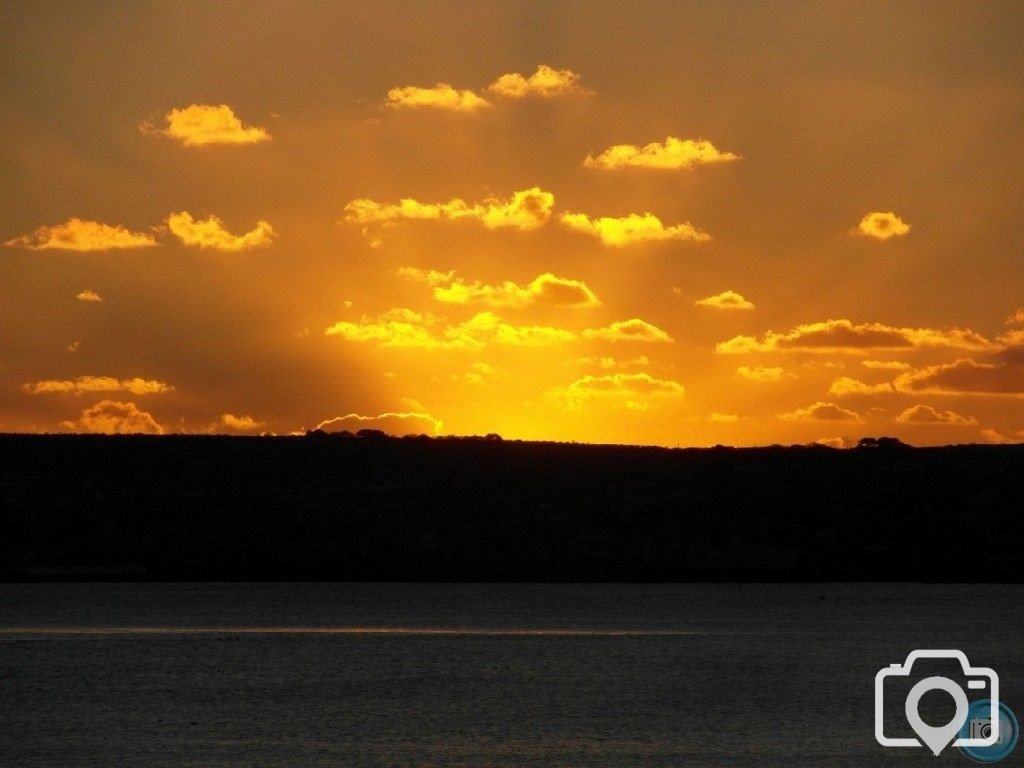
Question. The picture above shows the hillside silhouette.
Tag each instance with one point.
(371, 507)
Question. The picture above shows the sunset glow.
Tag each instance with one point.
(596, 226)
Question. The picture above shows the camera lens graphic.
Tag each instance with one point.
(979, 726)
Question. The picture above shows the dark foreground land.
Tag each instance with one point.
(374, 508)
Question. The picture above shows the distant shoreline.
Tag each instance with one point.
(372, 508)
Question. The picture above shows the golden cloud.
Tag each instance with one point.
(821, 412)
(763, 374)
(1016, 317)
(999, 438)
(629, 386)
(397, 424)
(110, 417)
(82, 235)
(1003, 377)
(847, 386)
(410, 329)
(546, 289)
(832, 442)
(634, 228)
(88, 295)
(886, 365)
(673, 154)
(83, 384)
(925, 414)
(239, 423)
(441, 96)
(210, 233)
(525, 209)
(546, 82)
(845, 336)
(723, 418)
(634, 329)
(725, 300)
(1014, 338)
(201, 125)
(608, 363)
(881, 226)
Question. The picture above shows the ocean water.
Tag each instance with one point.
(478, 675)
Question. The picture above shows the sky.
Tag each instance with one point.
(657, 223)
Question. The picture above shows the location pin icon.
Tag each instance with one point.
(936, 739)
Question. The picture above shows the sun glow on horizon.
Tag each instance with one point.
(396, 221)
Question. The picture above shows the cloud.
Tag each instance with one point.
(725, 300)
(210, 233)
(478, 373)
(629, 330)
(82, 235)
(628, 386)
(441, 96)
(201, 125)
(846, 386)
(397, 424)
(488, 326)
(406, 328)
(673, 154)
(239, 423)
(845, 336)
(630, 229)
(409, 329)
(546, 82)
(886, 365)
(832, 442)
(88, 295)
(763, 374)
(925, 414)
(1014, 338)
(111, 417)
(428, 276)
(999, 438)
(546, 289)
(526, 209)
(1016, 317)
(608, 363)
(821, 412)
(881, 226)
(83, 384)
(1002, 377)
(723, 418)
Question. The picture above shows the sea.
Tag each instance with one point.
(310, 675)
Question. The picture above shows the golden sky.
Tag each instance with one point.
(668, 223)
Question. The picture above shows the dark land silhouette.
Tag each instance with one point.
(370, 507)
